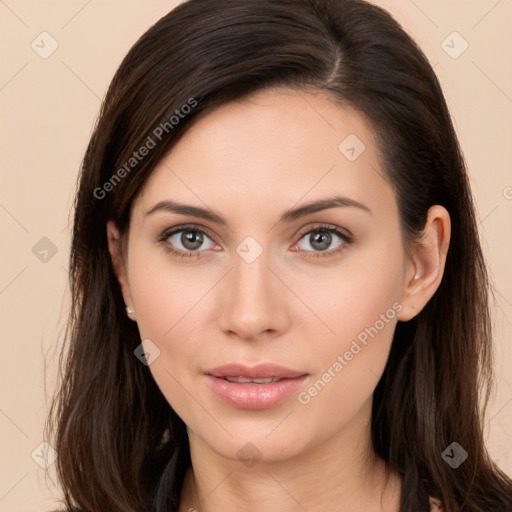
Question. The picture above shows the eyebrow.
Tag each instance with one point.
(287, 216)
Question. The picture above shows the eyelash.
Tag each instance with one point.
(164, 237)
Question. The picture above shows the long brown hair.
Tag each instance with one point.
(121, 446)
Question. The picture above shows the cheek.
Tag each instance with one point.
(164, 294)
(170, 309)
(357, 299)
(359, 303)
(164, 309)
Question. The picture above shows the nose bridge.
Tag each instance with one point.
(253, 303)
(251, 278)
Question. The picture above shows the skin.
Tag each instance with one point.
(249, 161)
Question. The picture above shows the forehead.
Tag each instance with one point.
(273, 148)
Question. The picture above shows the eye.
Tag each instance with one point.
(191, 241)
(185, 241)
(323, 237)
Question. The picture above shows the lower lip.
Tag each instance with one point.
(255, 396)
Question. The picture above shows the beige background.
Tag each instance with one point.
(48, 107)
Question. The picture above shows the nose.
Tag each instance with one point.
(254, 301)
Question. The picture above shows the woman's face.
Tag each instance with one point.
(265, 281)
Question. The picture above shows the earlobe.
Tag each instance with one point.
(118, 264)
(427, 263)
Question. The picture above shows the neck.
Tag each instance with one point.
(340, 473)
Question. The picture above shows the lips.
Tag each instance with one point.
(254, 387)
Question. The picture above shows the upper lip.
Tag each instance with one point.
(259, 371)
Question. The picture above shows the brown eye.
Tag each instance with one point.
(191, 239)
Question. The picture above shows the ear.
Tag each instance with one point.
(426, 263)
(116, 253)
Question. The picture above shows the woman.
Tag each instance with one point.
(279, 296)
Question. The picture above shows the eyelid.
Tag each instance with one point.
(166, 233)
(343, 233)
(175, 229)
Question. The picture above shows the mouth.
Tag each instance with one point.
(259, 374)
(257, 387)
(246, 380)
